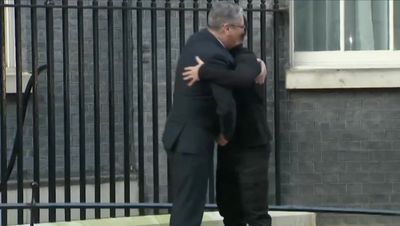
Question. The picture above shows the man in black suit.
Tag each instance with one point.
(242, 172)
(201, 114)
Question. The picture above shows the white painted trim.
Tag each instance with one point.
(342, 79)
(348, 59)
(11, 75)
(391, 25)
(291, 32)
(10, 35)
(11, 80)
(342, 25)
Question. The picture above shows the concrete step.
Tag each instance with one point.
(279, 218)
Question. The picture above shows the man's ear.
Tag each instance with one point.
(225, 27)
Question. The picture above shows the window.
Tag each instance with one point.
(345, 34)
(9, 19)
(9, 36)
(397, 24)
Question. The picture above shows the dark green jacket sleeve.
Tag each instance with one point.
(243, 75)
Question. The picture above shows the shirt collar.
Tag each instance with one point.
(220, 42)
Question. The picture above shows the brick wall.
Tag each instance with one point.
(339, 148)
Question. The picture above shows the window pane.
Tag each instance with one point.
(316, 25)
(367, 25)
(397, 24)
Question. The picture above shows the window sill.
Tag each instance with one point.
(11, 81)
(342, 78)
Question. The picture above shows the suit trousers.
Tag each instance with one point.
(190, 174)
(242, 185)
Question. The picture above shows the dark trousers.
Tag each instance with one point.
(242, 186)
(190, 173)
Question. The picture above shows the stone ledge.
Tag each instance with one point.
(279, 218)
(342, 78)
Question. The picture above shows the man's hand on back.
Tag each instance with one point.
(221, 140)
(260, 79)
(191, 73)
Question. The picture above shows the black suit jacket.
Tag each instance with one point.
(202, 111)
(252, 129)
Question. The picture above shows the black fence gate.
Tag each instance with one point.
(85, 89)
(92, 106)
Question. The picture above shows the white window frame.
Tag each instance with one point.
(9, 36)
(344, 59)
(11, 75)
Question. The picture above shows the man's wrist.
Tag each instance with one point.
(201, 73)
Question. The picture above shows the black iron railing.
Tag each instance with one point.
(132, 20)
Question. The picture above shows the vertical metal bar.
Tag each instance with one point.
(82, 148)
(168, 54)
(277, 107)
(35, 111)
(263, 40)
(139, 15)
(209, 5)
(51, 107)
(67, 120)
(181, 24)
(127, 141)
(20, 163)
(168, 74)
(195, 16)
(211, 192)
(263, 31)
(96, 77)
(111, 103)
(211, 184)
(34, 210)
(250, 24)
(3, 115)
(154, 71)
